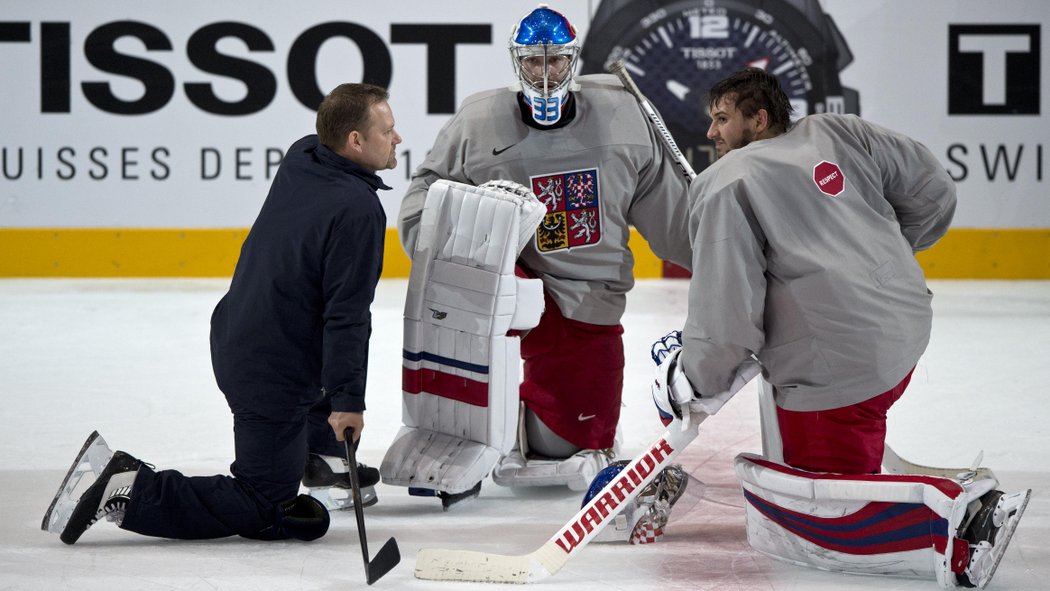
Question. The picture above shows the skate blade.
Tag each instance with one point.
(1002, 540)
(335, 498)
(449, 500)
(93, 457)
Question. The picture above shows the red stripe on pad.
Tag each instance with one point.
(428, 381)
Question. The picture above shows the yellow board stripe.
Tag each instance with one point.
(164, 252)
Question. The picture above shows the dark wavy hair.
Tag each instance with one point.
(347, 108)
(752, 89)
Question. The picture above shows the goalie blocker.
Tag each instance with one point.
(952, 529)
(460, 371)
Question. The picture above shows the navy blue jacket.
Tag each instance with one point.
(296, 320)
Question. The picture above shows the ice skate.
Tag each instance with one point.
(988, 531)
(327, 479)
(448, 500)
(106, 498)
(93, 457)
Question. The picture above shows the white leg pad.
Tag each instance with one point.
(576, 471)
(869, 524)
(460, 373)
(428, 459)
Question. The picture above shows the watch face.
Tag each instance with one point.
(676, 52)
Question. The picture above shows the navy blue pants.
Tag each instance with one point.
(270, 456)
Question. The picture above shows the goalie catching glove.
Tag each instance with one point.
(672, 391)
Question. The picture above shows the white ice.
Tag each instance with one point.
(130, 358)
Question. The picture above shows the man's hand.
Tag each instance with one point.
(341, 420)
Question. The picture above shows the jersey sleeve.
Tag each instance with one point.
(660, 209)
(353, 262)
(915, 185)
(727, 290)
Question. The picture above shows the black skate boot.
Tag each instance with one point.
(990, 524)
(327, 479)
(106, 498)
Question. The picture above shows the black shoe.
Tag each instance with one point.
(106, 498)
(325, 471)
(327, 479)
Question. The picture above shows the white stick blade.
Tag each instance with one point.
(465, 565)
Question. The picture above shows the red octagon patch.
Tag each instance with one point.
(828, 178)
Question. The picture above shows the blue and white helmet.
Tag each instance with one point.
(544, 49)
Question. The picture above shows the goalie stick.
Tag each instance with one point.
(619, 68)
(465, 565)
(893, 463)
(389, 555)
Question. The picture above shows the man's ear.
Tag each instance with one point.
(761, 120)
(353, 141)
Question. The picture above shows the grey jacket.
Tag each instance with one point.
(803, 254)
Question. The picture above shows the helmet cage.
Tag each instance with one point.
(547, 68)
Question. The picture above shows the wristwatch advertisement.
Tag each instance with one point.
(677, 49)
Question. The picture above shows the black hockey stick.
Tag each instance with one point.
(388, 556)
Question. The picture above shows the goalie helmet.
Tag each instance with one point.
(642, 521)
(544, 49)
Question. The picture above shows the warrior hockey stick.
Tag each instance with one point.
(465, 565)
(388, 555)
(619, 68)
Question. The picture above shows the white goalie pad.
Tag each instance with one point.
(897, 525)
(460, 372)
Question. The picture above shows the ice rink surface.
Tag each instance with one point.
(130, 359)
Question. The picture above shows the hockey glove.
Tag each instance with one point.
(674, 394)
(671, 342)
(671, 389)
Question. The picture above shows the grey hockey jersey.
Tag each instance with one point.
(803, 254)
(598, 175)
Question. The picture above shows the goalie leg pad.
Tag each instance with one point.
(877, 524)
(524, 467)
(576, 471)
(460, 369)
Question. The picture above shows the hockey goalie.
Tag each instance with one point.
(589, 154)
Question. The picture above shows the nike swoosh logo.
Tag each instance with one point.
(496, 152)
(583, 417)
